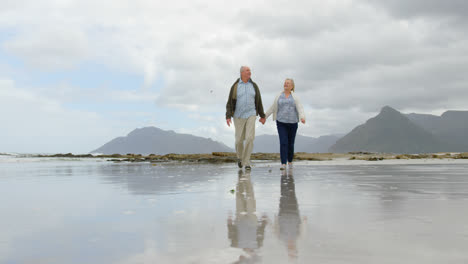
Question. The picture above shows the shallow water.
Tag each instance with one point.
(92, 211)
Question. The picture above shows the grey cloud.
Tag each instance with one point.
(426, 86)
(283, 26)
(299, 20)
(422, 8)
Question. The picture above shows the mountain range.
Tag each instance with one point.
(152, 140)
(270, 143)
(451, 128)
(393, 132)
(390, 132)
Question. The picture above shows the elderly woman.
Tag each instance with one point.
(287, 110)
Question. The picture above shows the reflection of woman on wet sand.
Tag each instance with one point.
(246, 231)
(288, 224)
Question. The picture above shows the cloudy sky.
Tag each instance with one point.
(74, 74)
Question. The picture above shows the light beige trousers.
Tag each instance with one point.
(245, 131)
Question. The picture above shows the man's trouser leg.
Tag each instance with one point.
(239, 125)
(245, 130)
(249, 139)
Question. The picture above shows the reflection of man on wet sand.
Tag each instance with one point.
(246, 231)
(288, 224)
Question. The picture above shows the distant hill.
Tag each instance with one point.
(152, 140)
(323, 143)
(390, 131)
(451, 128)
(270, 143)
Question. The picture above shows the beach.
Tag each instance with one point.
(81, 210)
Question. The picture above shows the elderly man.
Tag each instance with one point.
(244, 104)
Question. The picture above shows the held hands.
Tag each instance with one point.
(263, 120)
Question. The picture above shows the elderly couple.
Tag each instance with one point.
(245, 103)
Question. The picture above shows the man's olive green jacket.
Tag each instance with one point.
(231, 102)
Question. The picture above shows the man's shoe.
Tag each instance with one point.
(248, 168)
(239, 163)
(283, 167)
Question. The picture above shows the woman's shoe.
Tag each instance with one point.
(283, 167)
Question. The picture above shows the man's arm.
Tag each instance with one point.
(229, 107)
(260, 109)
(259, 105)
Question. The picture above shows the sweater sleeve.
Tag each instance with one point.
(272, 108)
(299, 107)
(270, 111)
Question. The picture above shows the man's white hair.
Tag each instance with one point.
(242, 68)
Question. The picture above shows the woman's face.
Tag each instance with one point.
(288, 85)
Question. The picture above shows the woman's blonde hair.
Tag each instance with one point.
(292, 82)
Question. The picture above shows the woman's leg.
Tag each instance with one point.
(283, 138)
(291, 138)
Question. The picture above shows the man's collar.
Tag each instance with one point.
(249, 81)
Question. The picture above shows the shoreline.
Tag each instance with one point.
(229, 157)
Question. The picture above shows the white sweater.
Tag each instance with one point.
(274, 107)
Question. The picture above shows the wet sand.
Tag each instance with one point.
(338, 211)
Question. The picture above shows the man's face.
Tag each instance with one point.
(245, 74)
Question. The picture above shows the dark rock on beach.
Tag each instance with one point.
(230, 157)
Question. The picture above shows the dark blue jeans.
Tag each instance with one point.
(287, 135)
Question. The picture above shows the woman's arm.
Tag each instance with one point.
(273, 108)
(300, 109)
